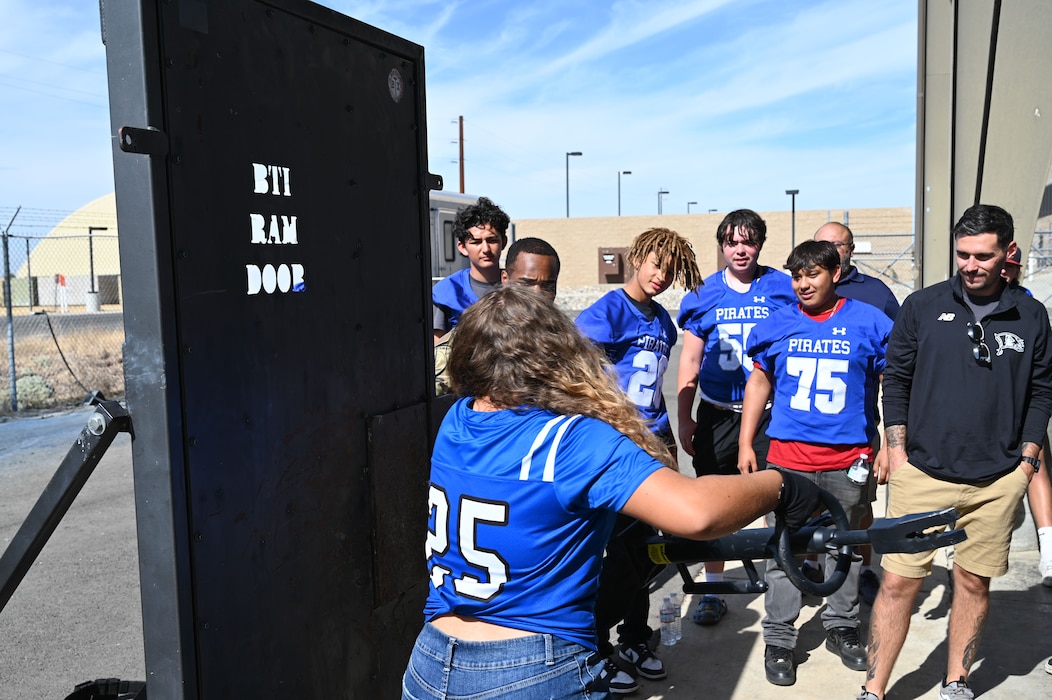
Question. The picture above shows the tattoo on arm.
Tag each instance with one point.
(895, 436)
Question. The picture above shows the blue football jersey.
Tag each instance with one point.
(520, 508)
(454, 294)
(637, 347)
(723, 319)
(825, 373)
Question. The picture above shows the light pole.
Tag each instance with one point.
(660, 194)
(619, 174)
(711, 211)
(91, 253)
(793, 193)
(688, 206)
(572, 153)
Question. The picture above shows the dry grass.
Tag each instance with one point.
(43, 380)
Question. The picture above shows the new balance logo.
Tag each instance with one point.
(947, 316)
(840, 331)
(759, 300)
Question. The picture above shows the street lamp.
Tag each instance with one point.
(619, 174)
(572, 153)
(688, 206)
(660, 193)
(711, 210)
(91, 253)
(793, 193)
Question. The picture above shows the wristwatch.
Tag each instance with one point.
(1033, 462)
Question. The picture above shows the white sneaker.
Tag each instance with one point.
(956, 690)
(1046, 573)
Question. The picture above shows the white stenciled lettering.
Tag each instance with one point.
(271, 179)
(279, 230)
(270, 279)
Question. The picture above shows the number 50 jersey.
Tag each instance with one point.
(723, 319)
(824, 372)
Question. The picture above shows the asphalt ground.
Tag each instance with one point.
(77, 615)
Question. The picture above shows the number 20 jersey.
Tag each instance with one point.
(520, 508)
(825, 372)
(638, 348)
(723, 319)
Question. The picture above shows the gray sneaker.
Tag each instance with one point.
(866, 695)
(956, 690)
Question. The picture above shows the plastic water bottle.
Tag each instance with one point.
(668, 617)
(677, 624)
(858, 472)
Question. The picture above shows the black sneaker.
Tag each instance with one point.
(844, 642)
(613, 680)
(647, 665)
(779, 665)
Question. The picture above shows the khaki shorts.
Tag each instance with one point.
(985, 511)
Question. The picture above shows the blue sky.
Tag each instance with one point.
(724, 103)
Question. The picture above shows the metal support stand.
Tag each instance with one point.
(108, 419)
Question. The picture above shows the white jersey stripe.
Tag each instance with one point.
(527, 461)
(549, 464)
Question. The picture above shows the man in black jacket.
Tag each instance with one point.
(967, 398)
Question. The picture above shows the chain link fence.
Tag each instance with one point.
(66, 328)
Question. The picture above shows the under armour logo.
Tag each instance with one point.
(946, 317)
(1008, 341)
(759, 300)
(840, 331)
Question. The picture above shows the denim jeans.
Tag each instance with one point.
(783, 600)
(524, 668)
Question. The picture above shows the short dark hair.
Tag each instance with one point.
(745, 219)
(533, 246)
(813, 254)
(485, 212)
(986, 218)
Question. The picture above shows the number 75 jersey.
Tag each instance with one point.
(825, 373)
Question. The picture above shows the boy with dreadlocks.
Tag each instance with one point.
(637, 335)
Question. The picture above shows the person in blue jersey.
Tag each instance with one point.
(853, 284)
(481, 231)
(528, 473)
(531, 262)
(637, 334)
(821, 360)
(716, 320)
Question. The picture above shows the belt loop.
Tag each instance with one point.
(549, 650)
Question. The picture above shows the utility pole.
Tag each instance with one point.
(461, 154)
(10, 315)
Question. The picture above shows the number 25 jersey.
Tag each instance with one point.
(520, 507)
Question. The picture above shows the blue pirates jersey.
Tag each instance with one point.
(825, 373)
(454, 294)
(521, 506)
(723, 319)
(638, 348)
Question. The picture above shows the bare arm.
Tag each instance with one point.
(895, 440)
(687, 387)
(705, 507)
(757, 393)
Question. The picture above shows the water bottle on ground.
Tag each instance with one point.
(668, 616)
(677, 624)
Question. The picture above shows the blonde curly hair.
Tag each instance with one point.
(514, 348)
(674, 254)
